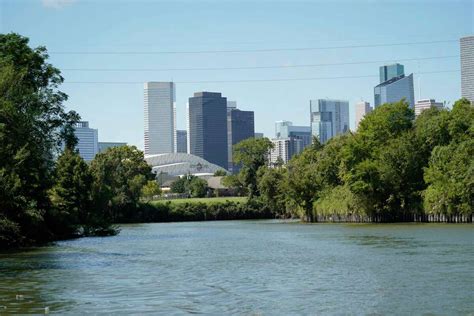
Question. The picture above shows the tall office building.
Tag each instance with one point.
(207, 127)
(362, 109)
(181, 141)
(279, 126)
(87, 140)
(395, 89)
(160, 98)
(388, 72)
(284, 149)
(329, 118)
(258, 135)
(422, 105)
(467, 68)
(240, 126)
(286, 129)
(103, 146)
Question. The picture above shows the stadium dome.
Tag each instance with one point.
(179, 164)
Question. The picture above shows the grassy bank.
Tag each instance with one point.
(207, 201)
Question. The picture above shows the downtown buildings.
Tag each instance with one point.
(395, 87)
(240, 126)
(159, 110)
(362, 108)
(289, 140)
(329, 118)
(87, 140)
(425, 104)
(467, 67)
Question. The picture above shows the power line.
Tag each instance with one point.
(253, 67)
(255, 80)
(244, 50)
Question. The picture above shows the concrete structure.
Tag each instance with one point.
(284, 149)
(362, 108)
(87, 140)
(394, 90)
(180, 164)
(467, 67)
(388, 72)
(425, 104)
(329, 118)
(286, 129)
(240, 126)
(105, 145)
(159, 110)
(181, 141)
(207, 127)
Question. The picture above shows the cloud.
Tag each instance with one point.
(57, 4)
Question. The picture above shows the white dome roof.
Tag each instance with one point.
(178, 164)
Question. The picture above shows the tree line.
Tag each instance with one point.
(394, 168)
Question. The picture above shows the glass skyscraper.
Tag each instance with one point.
(87, 140)
(159, 110)
(240, 126)
(181, 141)
(329, 118)
(467, 67)
(286, 129)
(388, 72)
(207, 127)
(394, 90)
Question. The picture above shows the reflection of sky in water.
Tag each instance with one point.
(248, 268)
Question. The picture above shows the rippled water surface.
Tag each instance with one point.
(248, 267)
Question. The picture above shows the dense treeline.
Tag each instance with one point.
(394, 168)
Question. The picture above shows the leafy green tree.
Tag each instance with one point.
(271, 185)
(220, 173)
(233, 182)
(198, 187)
(33, 124)
(70, 195)
(179, 185)
(119, 175)
(150, 190)
(251, 154)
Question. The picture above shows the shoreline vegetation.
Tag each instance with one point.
(395, 168)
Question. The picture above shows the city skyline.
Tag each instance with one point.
(116, 109)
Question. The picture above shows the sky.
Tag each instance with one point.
(166, 40)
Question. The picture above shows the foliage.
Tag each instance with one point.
(251, 153)
(192, 185)
(150, 190)
(272, 187)
(233, 182)
(220, 173)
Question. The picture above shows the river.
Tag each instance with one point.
(250, 268)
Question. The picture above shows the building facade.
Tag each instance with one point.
(207, 127)
(181, 141)
(329, 118)
(258, 135)
(394, 90)
(87, 140)
(284, 149)
(362, 108)
(467, 68)
(103, 146)
(388, 72)
(425, 104)
(240, 126)
(288, 130)
(159, 110)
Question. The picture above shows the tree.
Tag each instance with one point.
(33, 123)
(252, 154)
(70, 195)
(271, 187)
(220, 173)
(194, 186)
(119, 175)
(150, 190)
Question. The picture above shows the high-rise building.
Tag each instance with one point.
(286, 129)
(103, 146)
(284, 149)
(258, 135)
(87, 140)
(362, 109)
(240, 126)
(388, 72)
(160, 98)
(425, 104)
(207, 127)
(395, 89)
(329, 118)
(467, 68)
(181, 141)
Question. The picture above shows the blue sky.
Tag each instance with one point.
(154, 26)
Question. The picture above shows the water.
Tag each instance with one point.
(250, 268)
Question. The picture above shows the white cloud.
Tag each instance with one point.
(57, 4)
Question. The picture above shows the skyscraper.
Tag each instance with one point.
(103, 146)
(362, 109)
(285, 149)
(395, 89)
(467, 67)
(181, 141)
(329, 118)
(388, 72)
(159, 117)
(240, 126)
(286, 129)
(422, 105)
(87, 140)
(207, 127)
(279, 126)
